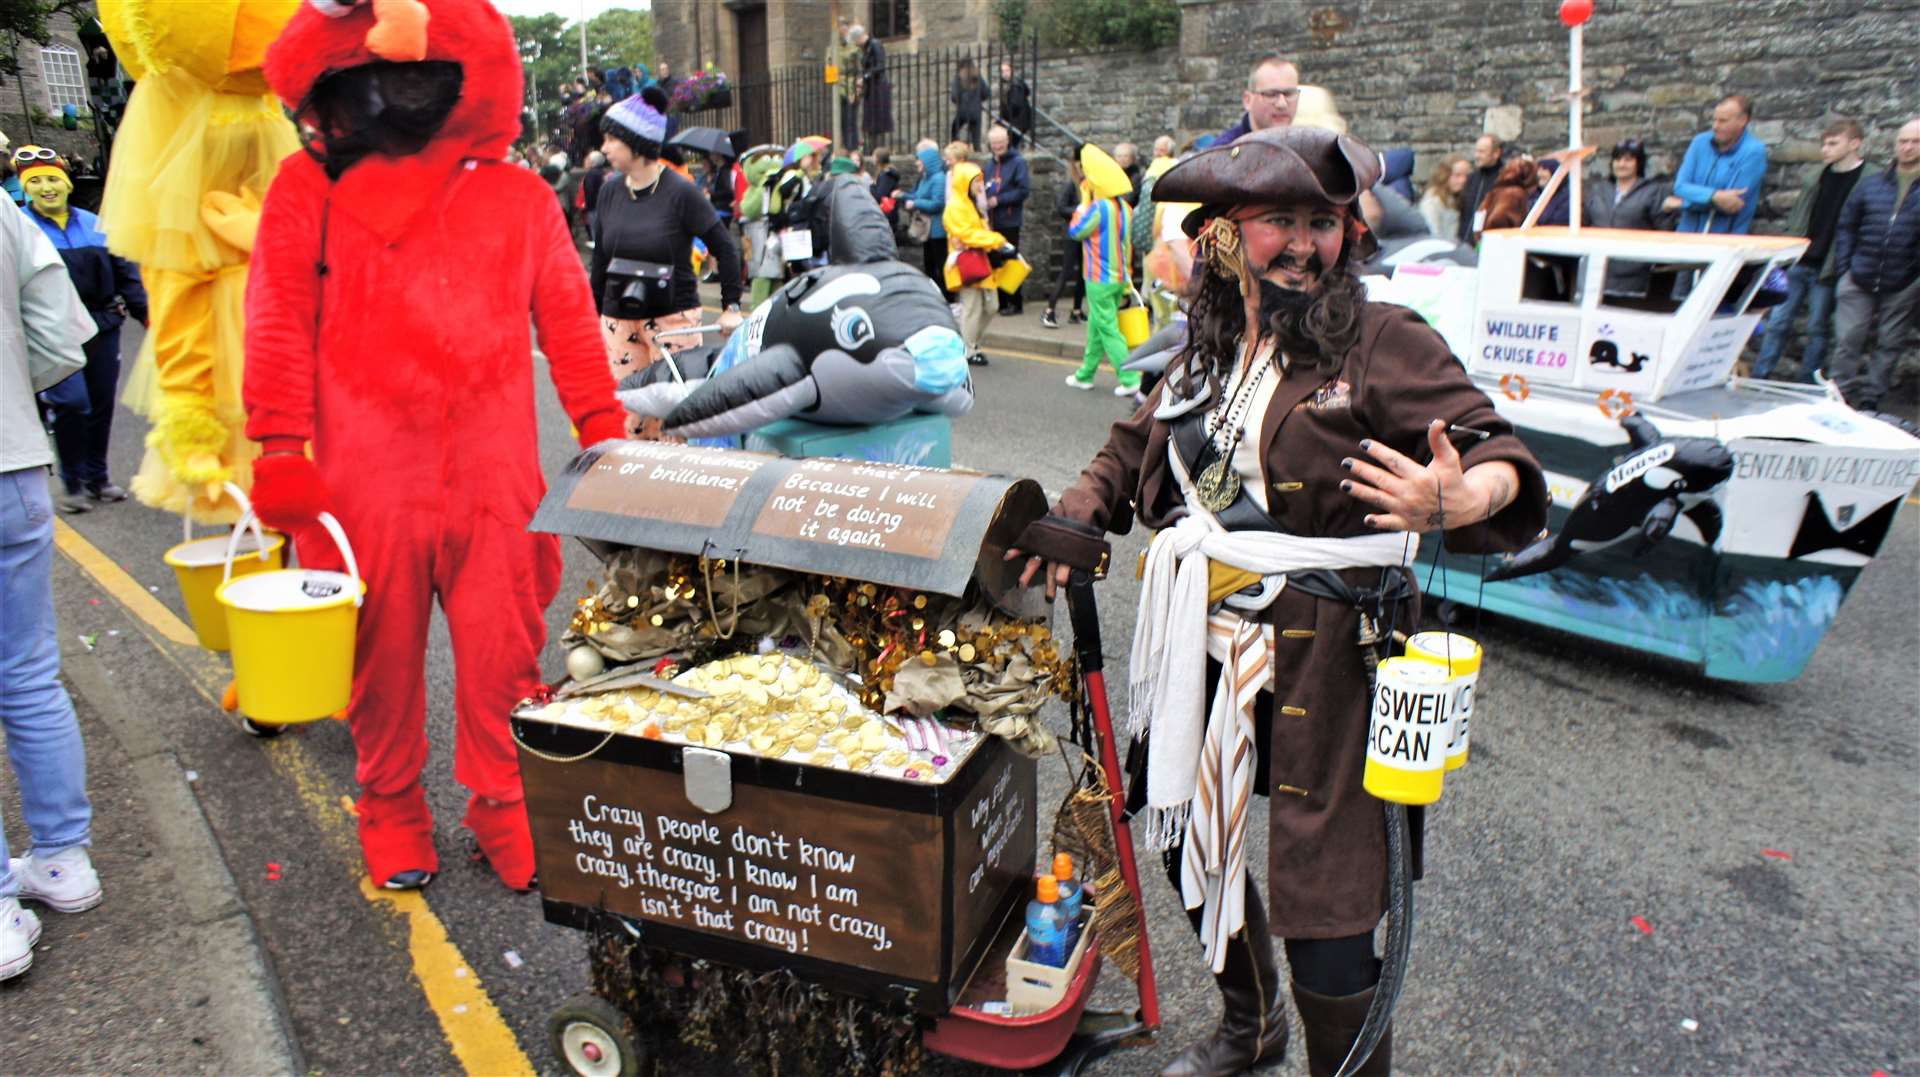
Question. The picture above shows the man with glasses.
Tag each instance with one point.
(1271, 97)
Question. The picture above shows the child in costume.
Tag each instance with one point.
(1101, 224)
(399, 264)
(199, 145)
(110, 287)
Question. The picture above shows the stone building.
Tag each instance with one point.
(51, 75)
(1417, 73)
(750, 38)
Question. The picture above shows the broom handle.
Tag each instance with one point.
(1086, 642)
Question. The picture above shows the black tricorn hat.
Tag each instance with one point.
(1278, 164)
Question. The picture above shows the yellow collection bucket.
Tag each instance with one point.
(199, 566)
(1136, 323)
(292, 633)
(1011, 274)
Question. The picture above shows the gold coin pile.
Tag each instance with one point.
(777, 705)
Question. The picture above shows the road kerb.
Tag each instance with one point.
(474, 1029)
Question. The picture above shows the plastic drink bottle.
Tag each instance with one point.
(1047, 926)
(1071, 897)
(1071, 904)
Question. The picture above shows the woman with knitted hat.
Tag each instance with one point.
(645, 222)
(110, 286)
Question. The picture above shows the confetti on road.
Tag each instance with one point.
(514, 960)
(93, 602)
(1690, 1025)
(1776, 854)
(90, 640)
(273, 871)
(193, 775)
(1641, 923)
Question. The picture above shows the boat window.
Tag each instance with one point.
(1745, 283)
(1639, 284)
(1553, 278)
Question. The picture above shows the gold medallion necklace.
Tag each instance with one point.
(1218, 484)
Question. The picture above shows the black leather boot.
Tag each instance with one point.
(1253, 1028)
(1331, 1025)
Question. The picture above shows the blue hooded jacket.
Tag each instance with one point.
(930, 197)
(1705, 169)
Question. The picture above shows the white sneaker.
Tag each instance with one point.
(1124, 390)
(1075, 381)
(64, 882)
(19, 930)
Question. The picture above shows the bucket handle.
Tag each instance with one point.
(333, 529)
(246, 515)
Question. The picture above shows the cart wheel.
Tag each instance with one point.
(591, 1038)
(1451, 614)
(263, 730)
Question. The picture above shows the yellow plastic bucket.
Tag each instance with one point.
(1136, 323)
(1011, 274)
(292, 634)
(199, 566)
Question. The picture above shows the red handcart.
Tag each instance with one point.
(638, 968)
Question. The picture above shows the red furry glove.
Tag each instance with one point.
(602, 425)
(288, 492)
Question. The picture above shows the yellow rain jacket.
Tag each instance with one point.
(965, 227)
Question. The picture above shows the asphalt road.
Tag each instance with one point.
(1604, 786)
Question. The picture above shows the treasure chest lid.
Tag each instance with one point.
(924, 528)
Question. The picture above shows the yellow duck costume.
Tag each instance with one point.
(201, 142)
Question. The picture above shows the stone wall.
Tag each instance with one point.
(1430, 76)
(1426, 75)
(29, 91)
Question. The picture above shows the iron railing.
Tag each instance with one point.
(796, 100)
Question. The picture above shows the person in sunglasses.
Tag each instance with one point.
(110, 287)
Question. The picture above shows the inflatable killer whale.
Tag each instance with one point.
(864, 339)
(1643, 493)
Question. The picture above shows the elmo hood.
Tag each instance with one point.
(326, 37)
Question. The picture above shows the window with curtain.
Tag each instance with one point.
(65, 78)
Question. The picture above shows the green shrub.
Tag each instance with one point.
(1084, 24)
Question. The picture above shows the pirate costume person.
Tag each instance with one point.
(1288, 461)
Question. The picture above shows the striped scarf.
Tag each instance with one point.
(1200, 772)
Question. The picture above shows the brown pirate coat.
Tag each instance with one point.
(1327, 858)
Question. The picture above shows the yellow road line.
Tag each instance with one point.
(124, 588)
(481, 1039)
(474, 1029)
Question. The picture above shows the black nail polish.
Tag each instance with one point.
(1348, 464)
(1366, 445)
(1346, 486)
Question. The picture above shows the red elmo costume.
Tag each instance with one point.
(387, 326)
